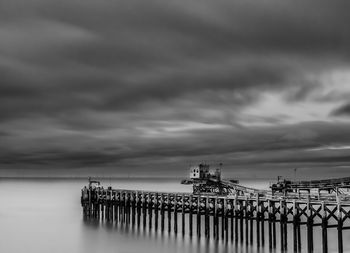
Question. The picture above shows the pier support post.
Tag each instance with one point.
(124, 207)
(340, 228)
(190, 216)
(232, 212)
(198, 216)
(133, 207)
(269, 223)
(215, 219)
(310, 239)
(241, 217)
(226, 219)
(175, 214)
(144, 210)
(102, 204)
(236, 212)
(222, 219)
(139, 205)
(281, 225)
(285, 223)
(246, 219)
(257, 221)
(251, 222)
(150, 209)
(162, 213)
(324, 229)
(206, 218)
(183, 215)
(274, 235)
(110, 206)
(262, 218)
(128, 207)
(295, 226)
(156, 207)
(169, 213)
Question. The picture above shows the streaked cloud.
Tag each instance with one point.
(152, 86)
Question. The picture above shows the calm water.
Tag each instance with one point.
(46, 216)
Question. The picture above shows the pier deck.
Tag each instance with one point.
(236, 218)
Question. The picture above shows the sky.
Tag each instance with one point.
(147, 88)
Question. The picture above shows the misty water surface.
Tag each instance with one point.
(40, 215)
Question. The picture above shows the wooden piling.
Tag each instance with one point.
(340, 228)
(262, 219)
(190, 216)
(169, 213)
(285, 222)
(156, 207)
(269, 223)
(222, 219)
(175, 214)
(257, 221)
(139, 205)
(241, 218)
(162, 213)
(103, 207)
(251, 223)
(183, 213)
(144, 210)
(150, 211)
(206, 218)
(299, 234)
(133, 207)
(309, 224)
(226, 219)
(324, 229)
(215, 220)
(274, 225)
(282, 237)
(198, 217)
(128, 208)
(247, 217)
(236, 211)
(295, 225)
(232, 213)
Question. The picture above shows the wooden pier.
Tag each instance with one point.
(261, 220)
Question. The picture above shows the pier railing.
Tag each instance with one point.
(236, 218)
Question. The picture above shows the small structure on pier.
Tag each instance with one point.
(209, 182)
(202, 172)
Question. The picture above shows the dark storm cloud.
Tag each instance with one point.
(343, 110)
(87, 83)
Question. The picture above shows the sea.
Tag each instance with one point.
(45, 216)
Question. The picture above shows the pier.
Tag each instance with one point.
(251, 218)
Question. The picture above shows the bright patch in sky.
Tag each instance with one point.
(330, 148)
(272, 107)
(174, 128)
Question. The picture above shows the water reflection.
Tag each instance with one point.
(159, 241)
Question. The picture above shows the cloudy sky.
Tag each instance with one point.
(115, 87)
